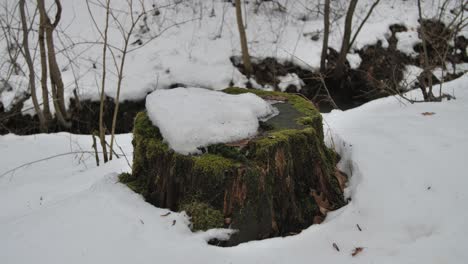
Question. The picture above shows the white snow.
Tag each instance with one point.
(13, 91)
(407, 40)
(354, 60)
(410, 77)
(408, 190)
(290, 79)
(189, 118)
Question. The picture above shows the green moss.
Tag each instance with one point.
(209, 172)
(229, 152)
(155, 147)
(126, 177)
(212, 164)
(147, 142)
(265, 146)
(204, 217)
(143, 127)
(132, 182)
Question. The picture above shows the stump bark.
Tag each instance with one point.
(276, 184)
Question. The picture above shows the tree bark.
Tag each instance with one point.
(340, 64)
(425, 84)
(29, 62)
(362, 23)
(102, 129)
(326, 33)
(243, 40)
(56, 81)
(44, 73)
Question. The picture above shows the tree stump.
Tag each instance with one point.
(276, 184)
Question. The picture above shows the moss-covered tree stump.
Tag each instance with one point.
(275, 184)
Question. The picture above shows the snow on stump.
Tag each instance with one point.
(210, 154)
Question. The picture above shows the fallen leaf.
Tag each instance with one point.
(173, 222)
(168, 213)
(428, 113)
(336, 247)
(357, 251)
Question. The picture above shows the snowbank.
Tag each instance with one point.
(189, 118)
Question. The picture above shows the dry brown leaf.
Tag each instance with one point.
(322, 201)
(342, 179)
(168, 213)
(357, 251)
(428, 113)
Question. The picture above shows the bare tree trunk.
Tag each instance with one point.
(119, 85)
(102, 129)
(54, 70)
(339, 69)
(29, 62)
(243, 40)
(362, 23)
(428, 95)
(326, 33)
(43, 56)
(117, 98)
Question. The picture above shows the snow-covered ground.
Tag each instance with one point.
(193, 40)
(408, 190)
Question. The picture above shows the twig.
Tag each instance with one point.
(44, 159)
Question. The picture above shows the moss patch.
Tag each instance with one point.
(212, 164)
(203, 216)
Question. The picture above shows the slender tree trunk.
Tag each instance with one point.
(362, 23)
(117, 98)
(326, 33)
(243, 40)
(340, 64)
(57, 86)
(102, 129)
(29, 62)
(44, 74)
(119, 85)
(428, 95)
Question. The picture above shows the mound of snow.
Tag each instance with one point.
(189, 118)
(290, 79)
